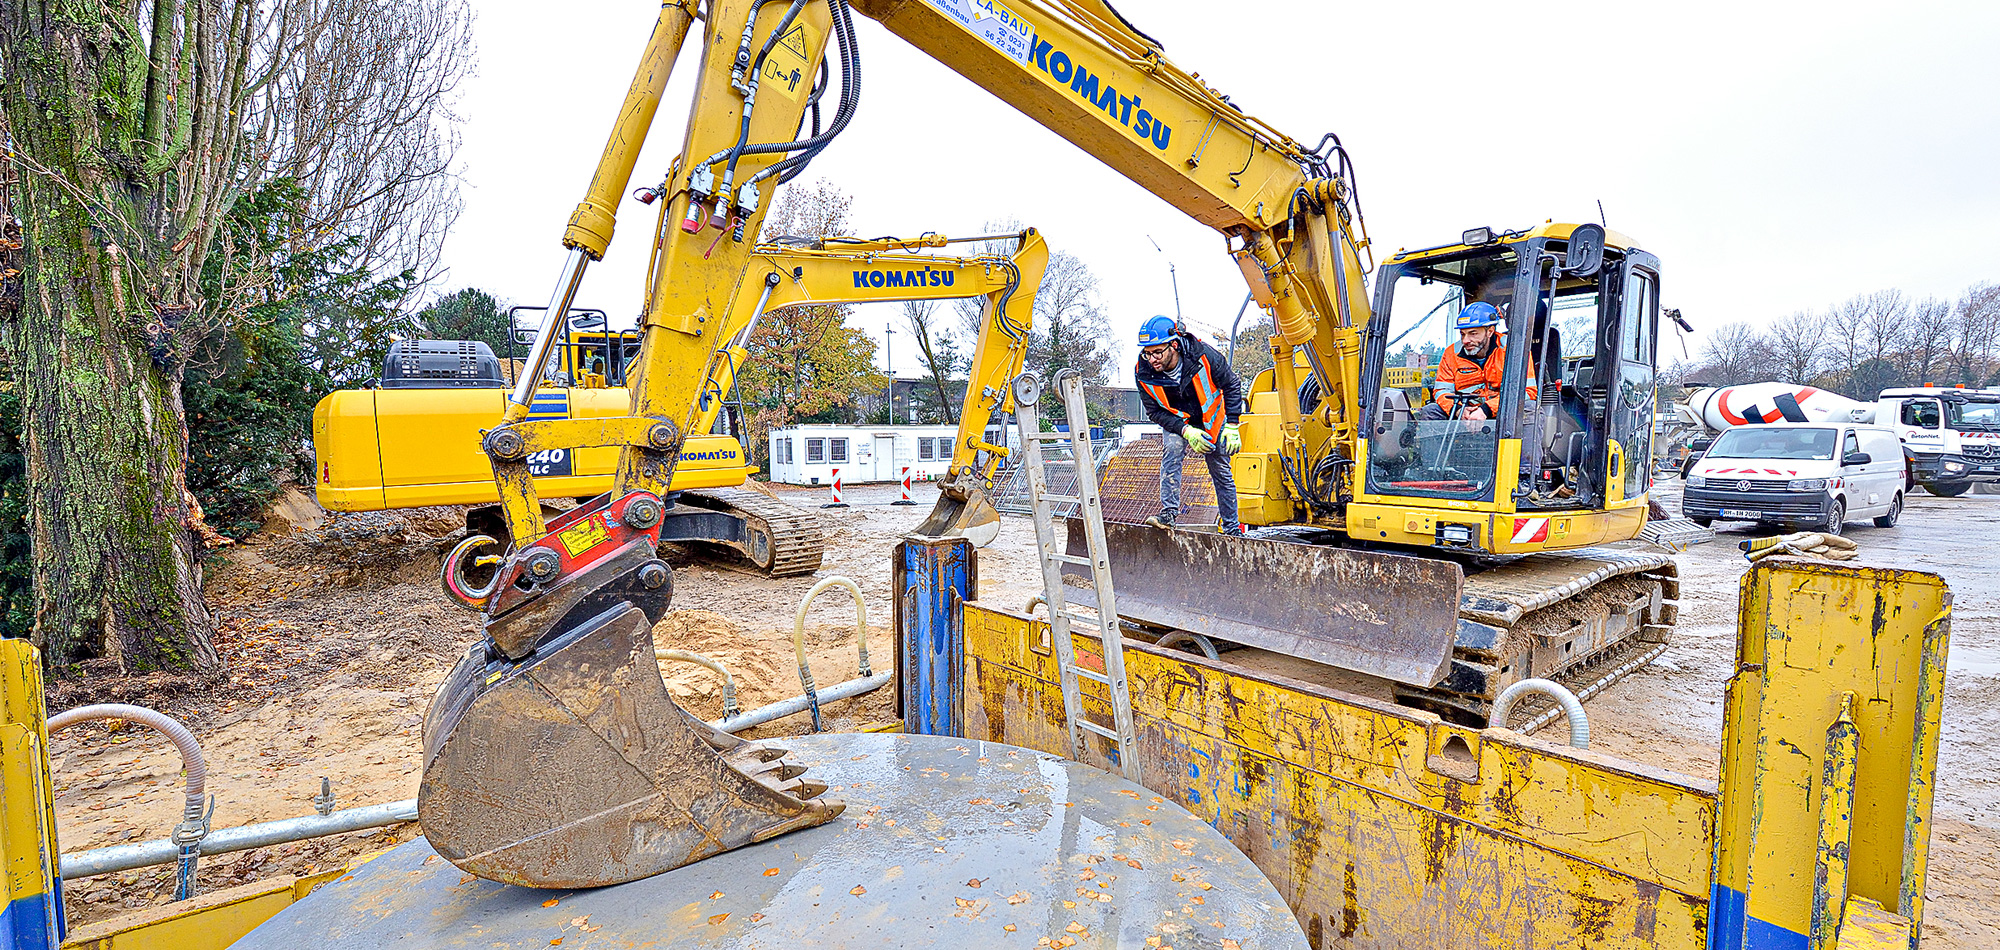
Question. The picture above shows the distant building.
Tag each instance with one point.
(810, 454)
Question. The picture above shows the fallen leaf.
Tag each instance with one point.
(592, 930)
(858, 890)
(1204, 885)
(718, 918)
(756, 917)
(1152, 941)
(1070, 904)
(578, 921)
(1104, 898)
(1086, 875)
(975, 882)
(1198, 900)
(770, 872)
(1066, 942)
(1134, 864)
(715, 895)
(557, 942)
(1009, 928)
(466, 879)
(1074, 927)
(1020, 897)
(1177, 876)
(1228, 944)
(980, 801)
(551, 902)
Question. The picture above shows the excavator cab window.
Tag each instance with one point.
(1432, 438)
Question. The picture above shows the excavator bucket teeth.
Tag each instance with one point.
(1386, 615)
(574, 768)
(967, 514)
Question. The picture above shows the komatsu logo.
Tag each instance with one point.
(714, 456)
(927, 277)
(1124, 110)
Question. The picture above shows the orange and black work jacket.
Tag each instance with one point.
(1462, 377)
(1201, 390)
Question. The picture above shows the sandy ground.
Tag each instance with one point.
(335, 635)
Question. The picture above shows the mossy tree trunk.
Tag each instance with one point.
(127, 146)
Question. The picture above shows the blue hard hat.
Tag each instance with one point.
(1481, 314)
(1156, 331)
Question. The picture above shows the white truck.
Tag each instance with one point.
(1950, 436)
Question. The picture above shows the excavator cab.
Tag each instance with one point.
(1572, 434)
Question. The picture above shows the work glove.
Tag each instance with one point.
(1231, 440)
(1197, 440)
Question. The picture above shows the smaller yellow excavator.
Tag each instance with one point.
(414, 439)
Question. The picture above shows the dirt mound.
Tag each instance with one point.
(369, 549)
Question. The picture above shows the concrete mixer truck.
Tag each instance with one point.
(1950, 436)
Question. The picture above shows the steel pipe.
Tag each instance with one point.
(1572, 707)
(125, 857)
(799, 704)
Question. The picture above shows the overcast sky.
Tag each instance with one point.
(1776, 156)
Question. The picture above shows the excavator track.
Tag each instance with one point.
(1583, 618)
(780, 540)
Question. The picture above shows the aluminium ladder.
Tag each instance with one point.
(1062, 622)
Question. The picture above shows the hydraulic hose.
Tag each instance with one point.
(194, 820)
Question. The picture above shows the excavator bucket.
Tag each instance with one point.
(558, 759)
(1386, 615)
(962, 513)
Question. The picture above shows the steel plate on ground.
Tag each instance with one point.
(945, 842)
(1386, 615)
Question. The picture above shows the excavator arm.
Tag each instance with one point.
(553, 755)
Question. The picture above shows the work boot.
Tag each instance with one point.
(1231, 528)
(1164, 519)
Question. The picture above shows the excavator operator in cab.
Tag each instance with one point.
(1191, 393)
(1468, 375)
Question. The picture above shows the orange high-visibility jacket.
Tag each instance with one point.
(1460, 377)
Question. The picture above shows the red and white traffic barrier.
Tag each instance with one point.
(906, 500)
(836, 503)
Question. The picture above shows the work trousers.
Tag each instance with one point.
(1218, 474)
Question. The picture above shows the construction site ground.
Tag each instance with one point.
(334, 632)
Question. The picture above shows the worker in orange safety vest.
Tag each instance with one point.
(1469, 374)
(1189, 390)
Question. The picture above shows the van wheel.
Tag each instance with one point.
(1895, 511)
(1947, 489)
(1836, 516)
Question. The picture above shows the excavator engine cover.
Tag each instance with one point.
(571, 766)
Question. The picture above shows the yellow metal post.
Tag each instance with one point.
(31, 912)
(1836, 823)
(1812, 632)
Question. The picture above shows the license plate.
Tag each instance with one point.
(1740, 513)
(549, 463)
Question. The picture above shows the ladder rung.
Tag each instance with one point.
(1089, 726)
(1091, 675)
(1072, 559)
(1050, 436)
(1053, 497)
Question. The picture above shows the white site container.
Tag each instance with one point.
(808, 454)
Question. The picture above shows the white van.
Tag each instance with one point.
(1799, 475)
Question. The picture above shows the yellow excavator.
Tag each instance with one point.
(1443, 555)
(414, 438)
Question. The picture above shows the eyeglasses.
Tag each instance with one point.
(1155, 352)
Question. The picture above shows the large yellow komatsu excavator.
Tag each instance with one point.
(1441, 555)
